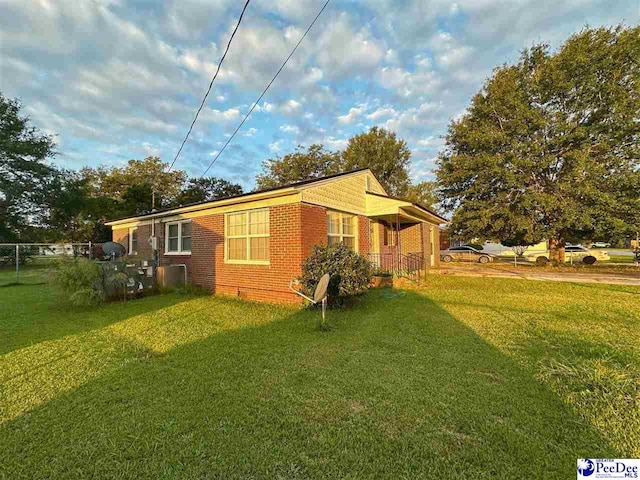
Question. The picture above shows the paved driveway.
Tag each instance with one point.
(533, 273)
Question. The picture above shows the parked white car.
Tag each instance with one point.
(572, 254)
(601, 245)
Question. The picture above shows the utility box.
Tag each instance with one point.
(137, 278)
(170, 276)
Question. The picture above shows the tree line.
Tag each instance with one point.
(40, 202)
(549, 148)
(43, 203)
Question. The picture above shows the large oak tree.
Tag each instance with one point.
(25, 174)
(385, 154)
(303, 164)
(379, 149)
(550, 147)
(206, 190)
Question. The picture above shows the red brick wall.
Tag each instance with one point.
(314, 227)
(436, 245)
(364, 235)
(294, 228)
(121, 236)
(257, 282)
(411, 238)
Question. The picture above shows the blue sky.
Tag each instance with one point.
(117, 79)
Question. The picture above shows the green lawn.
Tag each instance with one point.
(462, 378)
(622, 258)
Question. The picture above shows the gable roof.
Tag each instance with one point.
(291, 187)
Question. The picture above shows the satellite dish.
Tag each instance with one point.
(319, 295)
(113, 250)
(321, 288)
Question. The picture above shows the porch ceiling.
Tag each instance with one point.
(390, 208)
(400, 216)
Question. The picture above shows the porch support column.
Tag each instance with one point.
(399, 248)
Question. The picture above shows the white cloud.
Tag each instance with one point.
(150, 150)
(383, 112)
(289, 129)
(342, 50)
(406, 83)
(218, 116)
(449, 53)
(147, 124)
(391, 56)
(258, 51)
(105, 73)
(291, 107)
(336, 143)
(275, 147)
(413, 122)
(428, 142)
(188, 19)
(287, 107)
(353, 114)
(301, 10)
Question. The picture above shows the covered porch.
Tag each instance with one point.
(404, 236)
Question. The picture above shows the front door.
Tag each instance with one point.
(389, 246)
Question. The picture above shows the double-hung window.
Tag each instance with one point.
(247, 236)
(341, 228)
(133, 241)
(178, 238)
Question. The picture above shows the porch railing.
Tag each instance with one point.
(402, 265)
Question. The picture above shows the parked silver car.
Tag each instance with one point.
(465, 253)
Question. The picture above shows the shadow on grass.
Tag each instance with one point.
(401, 389)
(30, 314)
(28, 274)
(20, 284)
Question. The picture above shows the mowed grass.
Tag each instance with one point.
(622, 258)
(460, 378)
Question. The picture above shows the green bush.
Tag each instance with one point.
(350, 273)
(87, 282)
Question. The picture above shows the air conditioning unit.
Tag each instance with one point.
(171, 275)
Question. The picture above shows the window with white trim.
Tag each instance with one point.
(133, 240)
(341, 228)
(178, 237)
(247, 236)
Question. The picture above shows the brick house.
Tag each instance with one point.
(253, 245)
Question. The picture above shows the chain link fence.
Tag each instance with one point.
(30, 262)
(533, 258)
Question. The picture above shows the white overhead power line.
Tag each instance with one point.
(266, 88)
